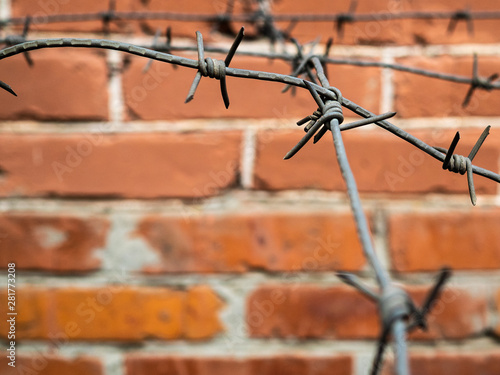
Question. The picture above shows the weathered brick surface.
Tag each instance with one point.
(462, 240)
(115, 312)
(187, 28)
(52, 243)
(39, 10)
(419, 96)
(160, 93)
(47, 364)
(386, 163)
(125, 165)
(272, 365)
(307, 311)
(270, 242)
(394, 31)
(64, 84)
(459, 363)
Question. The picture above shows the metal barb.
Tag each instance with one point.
(7, 88)
(479, 142)
(16, 39)
(460, 15)
(343, 18)
(301, 63)
(108, 16)
(354, 281)
(478, 82)
(420, 315)
(450, 151)
(461, 164)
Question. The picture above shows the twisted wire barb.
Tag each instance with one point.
(397, 311)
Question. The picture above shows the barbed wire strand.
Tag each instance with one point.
(475, 82)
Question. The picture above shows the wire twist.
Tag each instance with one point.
(212, 68)
(462, 164)
(319, 121)
(458, 164)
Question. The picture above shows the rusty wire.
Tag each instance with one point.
(398, 313)
(300, 61)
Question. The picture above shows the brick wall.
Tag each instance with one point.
(156, 237)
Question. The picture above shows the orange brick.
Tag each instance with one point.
(307, 311)
(52, 243)
(272, 242)
(358, 33)
(125, 165)
(47, 364)
(40, 10)
(457, 314)
(187, 28)
(456, 362)
(303, 311)
(115, 312)
(160, 93)
(462, 240)
(291, 365)
(419, 96)
(390, 31)
(62, 85)
(381, 162)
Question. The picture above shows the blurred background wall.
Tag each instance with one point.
(156, 237)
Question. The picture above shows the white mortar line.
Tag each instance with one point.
(251, 348)
(116, 106)
(5, 9)
(387, 81)
(380, 237)
(248, 154)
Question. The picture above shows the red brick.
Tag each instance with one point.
(466, 240)
(269, 242)
(457, 314)
(307, 311)
(392, 31)
(275, 365)
(419, 96)
(52, 243)
(62, 85)
(457, 363)
(115, 312)
(359, 33)
(124, 165)
(188, 28)
(385, 164)
(160, 93)
(47, 364)
(39, 10)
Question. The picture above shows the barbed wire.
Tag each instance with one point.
(475, 82)
(398, 312)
